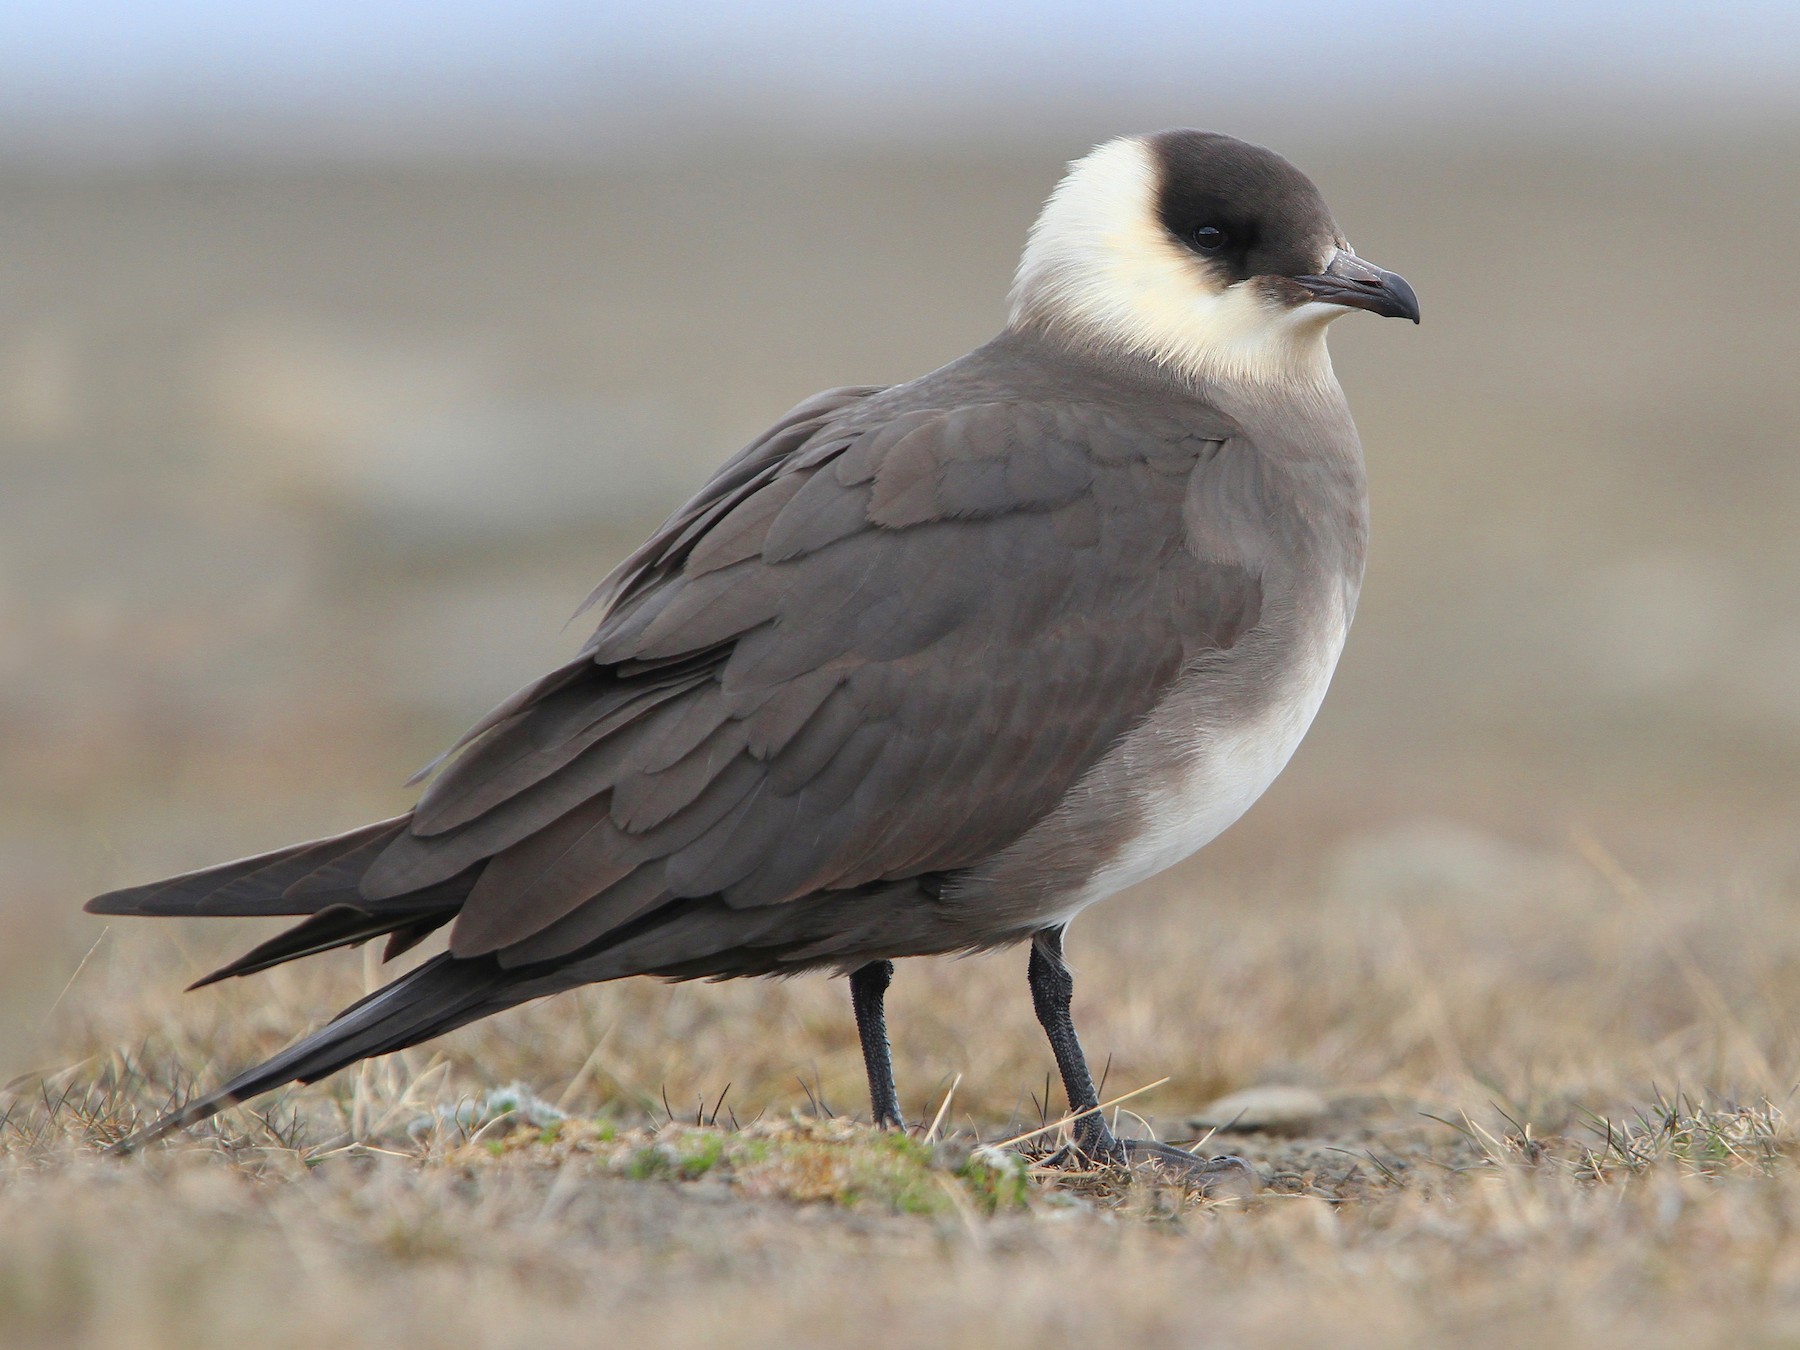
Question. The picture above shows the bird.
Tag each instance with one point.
(924, 669)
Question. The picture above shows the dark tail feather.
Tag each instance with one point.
(334, 926)
(439, 996)
(320, 879)
(300, 879)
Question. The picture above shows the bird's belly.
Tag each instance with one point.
(1217, 774)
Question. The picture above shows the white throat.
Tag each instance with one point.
(1100, 267)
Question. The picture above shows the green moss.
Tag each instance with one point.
(905, 1148)
(922, 1194)
(895, 1172)
(995, 1179)
(650, 1162)
(702, 1156)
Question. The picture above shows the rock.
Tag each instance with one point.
(1278, 1107)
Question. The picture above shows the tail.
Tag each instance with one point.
(319, 879)
(439, 996)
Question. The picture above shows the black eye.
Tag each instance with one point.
(1210, 238)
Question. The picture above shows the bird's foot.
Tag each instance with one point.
(1226, 1176)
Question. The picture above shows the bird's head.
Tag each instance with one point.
(1202, 252)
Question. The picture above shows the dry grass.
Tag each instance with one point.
(1559, 1114)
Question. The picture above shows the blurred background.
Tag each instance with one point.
(344, 346)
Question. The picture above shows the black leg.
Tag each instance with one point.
(1052, 990)
(868, 987)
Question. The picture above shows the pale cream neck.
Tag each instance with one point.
(1099, 269)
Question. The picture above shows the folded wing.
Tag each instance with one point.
(883, 641)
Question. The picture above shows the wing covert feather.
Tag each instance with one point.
(880, 644)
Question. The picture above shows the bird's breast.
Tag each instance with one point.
(1213, 746)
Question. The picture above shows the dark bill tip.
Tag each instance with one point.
(1356, 284)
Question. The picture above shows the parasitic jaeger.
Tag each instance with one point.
(923, 669)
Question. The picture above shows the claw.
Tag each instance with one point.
(1226, 1176)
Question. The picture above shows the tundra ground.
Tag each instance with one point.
(304, 467)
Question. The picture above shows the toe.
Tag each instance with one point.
(1224, 1177)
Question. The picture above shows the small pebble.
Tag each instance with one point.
(1273, 1106)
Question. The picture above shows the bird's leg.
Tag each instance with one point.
(1052, 990)
(868, 988)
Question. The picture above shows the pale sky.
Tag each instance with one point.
(824, 61)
